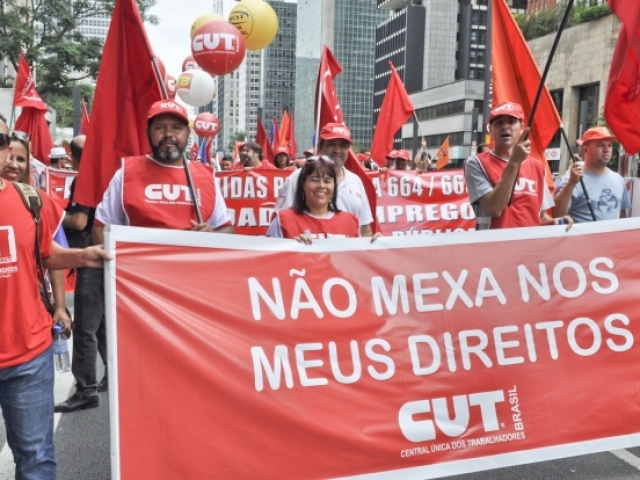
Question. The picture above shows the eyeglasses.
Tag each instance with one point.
(313, 158)
(18, 135)
(4, 141)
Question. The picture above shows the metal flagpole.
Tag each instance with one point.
(573, 159)
(317, 139)
(185, 160)
(543, 79)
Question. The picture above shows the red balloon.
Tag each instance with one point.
(190, 64)
(206, 125)
(218, 47)
(170, 85)
(161, 69)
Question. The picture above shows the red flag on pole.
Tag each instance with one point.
(283, 134)
(127, 86)
(516, 78)
(31, 118)
(262, 139)
(293, 147)
(443, 155)
(396, 109)
(330, 112)
(622, 104)
(194, 150)
(84, 119)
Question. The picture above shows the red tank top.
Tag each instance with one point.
(528, 195)
(341, 225)
(157, 196)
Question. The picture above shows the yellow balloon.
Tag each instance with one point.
(257, 22)
(201, 20)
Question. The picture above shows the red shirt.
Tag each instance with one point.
(239, 165)
(341, 225)
(528, 194)
(157, 196)
(25, 325)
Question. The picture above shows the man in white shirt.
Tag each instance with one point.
(335, 142)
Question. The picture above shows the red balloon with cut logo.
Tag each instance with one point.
(190, 64)
(170, 86)
(218, 47)
(206, 125)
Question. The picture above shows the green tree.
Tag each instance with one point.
(236, 137)
(46, 31)
(63, 103)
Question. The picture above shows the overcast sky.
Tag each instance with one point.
(170, 39)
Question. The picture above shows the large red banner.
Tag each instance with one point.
(243, 357)
(408, 204)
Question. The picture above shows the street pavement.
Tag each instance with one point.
(82, 451)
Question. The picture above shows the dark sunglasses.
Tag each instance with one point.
(313, 158)
(5, 140)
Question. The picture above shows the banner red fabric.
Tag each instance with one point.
(84, 120)
(407, 357)
(262, 139)
(25, 94)
(396, 109)
(58, 185)
(516, 78)
(32, 121)
(127, 86)
(442, 156)
(622, 105)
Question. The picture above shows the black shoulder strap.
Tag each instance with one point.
(33, 203)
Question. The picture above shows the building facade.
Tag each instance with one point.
(348, 28)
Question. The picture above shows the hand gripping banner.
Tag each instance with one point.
(255, 358)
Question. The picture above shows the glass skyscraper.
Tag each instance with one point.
(348, 28)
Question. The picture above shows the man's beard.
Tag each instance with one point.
(172, 154)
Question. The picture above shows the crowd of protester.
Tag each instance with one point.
(321, 199)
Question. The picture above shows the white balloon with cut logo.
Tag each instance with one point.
(195, 87)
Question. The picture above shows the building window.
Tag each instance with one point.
(557, 96)
(588, 108)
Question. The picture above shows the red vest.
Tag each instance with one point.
(157, 196)
(341, 225)
(528, 195)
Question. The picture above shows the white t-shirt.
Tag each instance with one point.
(352, 196)
(111, 210)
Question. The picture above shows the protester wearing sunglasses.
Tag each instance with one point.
(315, 213)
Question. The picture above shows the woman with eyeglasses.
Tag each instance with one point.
(17, 170)
(314, 213)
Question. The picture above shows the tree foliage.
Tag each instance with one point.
(46, 31)
(548, 20)
(236, 137)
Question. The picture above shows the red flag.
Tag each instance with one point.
(622, 104)
(262, 139)
(273, 133)
(396, 109)
(330, 112)
(25, 94)
(516, 78)
(127, 87)
(84, 119)
(443, 155)
(32, 119)
(194, 150)
(293, 147)
(283, 134)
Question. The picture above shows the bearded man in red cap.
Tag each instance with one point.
(606, 190)
(506, 186)
(335, 142)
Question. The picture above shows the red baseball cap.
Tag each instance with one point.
(335, 131)
(308, 152)
(361, 157)
(168, 107)
(507, 108)
(392, 154)
(596, 133)
(282, 150)
(403, 155)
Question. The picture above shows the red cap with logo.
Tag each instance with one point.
(507, 108)
(403, 155)
(392, 154)
(596, 133)
(335, 131)
(282, 150)
(168, 107)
